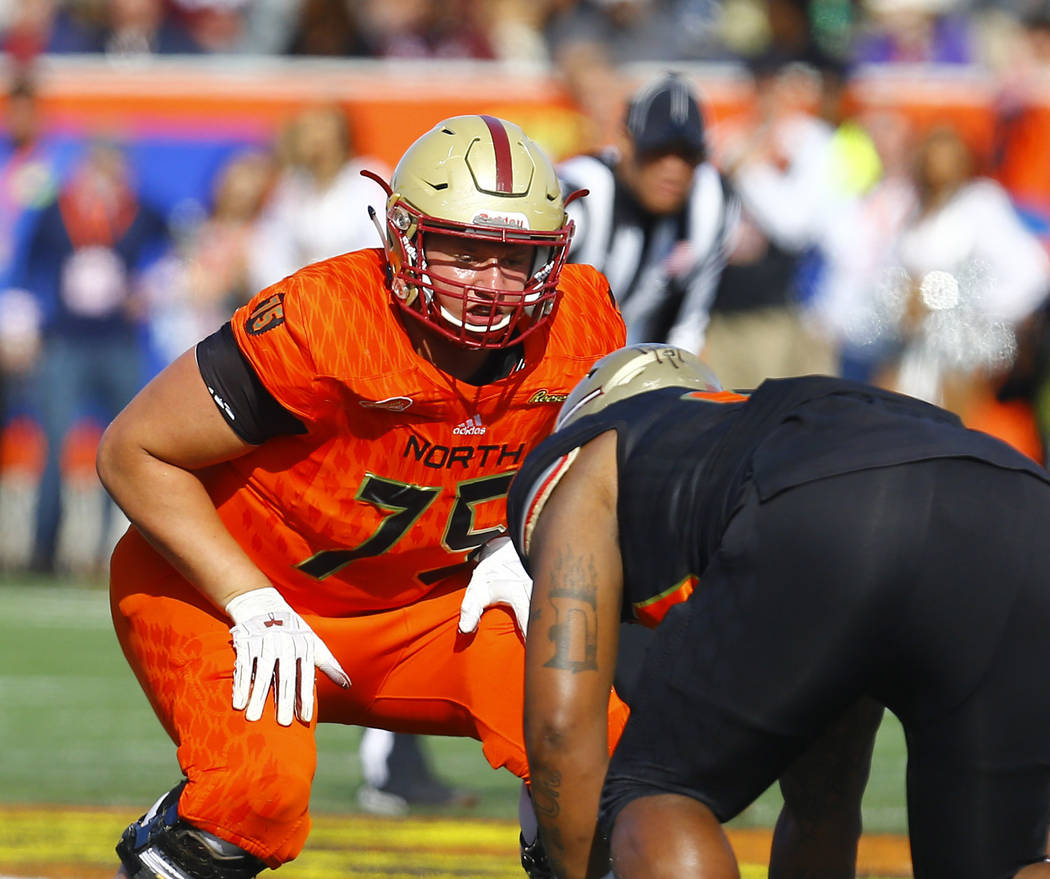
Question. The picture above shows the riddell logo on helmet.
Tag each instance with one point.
(514, 221)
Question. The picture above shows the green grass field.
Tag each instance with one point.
(75, 728)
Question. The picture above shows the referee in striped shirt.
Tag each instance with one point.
(658, 217)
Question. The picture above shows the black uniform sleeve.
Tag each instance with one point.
(243, 400)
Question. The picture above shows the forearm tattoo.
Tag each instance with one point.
(574, 598)
(545, 789)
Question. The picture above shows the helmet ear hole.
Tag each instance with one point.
(482, 179)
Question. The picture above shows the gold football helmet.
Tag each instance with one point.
(481, 178)
(634, 370)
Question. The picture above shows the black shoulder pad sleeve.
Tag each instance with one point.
(248, 407)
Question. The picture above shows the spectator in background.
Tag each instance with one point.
(860, 244)
(83, 266)
(1019, 411)
(29, 164)
(428, 29)
(1019, 160)
(620, 31)
(20, 320)
(658, 216)
(964, 273)
(794, 28)
(214, 26)
(29, 29)
(329, 28)
(200, 283)
(590, 41)
(516, 28)
(20, 447)
(794, 176)
(145, 27)
(268, 26)
(319, 205)
(914, 32)
(118, 28)
(29, 168)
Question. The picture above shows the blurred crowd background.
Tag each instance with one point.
(986, 32)
(907, 249)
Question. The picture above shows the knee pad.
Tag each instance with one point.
(160, 845)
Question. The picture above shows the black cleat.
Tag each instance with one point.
(160, 845)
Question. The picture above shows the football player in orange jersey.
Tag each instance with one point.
(310, 488)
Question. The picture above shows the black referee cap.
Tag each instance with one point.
(666, 115)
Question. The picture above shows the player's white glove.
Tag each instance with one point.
(498, 578)
(274, 645)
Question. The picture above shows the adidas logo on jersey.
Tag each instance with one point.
(470, 427)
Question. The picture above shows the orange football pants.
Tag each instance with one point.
(411, 670)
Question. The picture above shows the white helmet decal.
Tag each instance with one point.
(634, 370)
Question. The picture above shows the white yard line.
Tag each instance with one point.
(70, 608)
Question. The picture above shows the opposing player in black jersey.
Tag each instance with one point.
(812, 544)
(658, 221)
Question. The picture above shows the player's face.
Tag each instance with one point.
(470, 276)
(664, 180)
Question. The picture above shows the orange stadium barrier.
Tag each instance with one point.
(390, 103)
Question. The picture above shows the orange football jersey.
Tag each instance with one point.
(403, 470)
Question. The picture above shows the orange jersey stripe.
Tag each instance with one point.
(651, 611)
(717, 396)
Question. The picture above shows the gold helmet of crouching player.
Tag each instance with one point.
(632, 370)
(481, 178)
